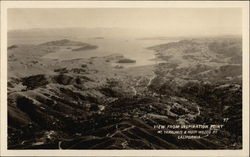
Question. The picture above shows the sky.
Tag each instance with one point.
(167, 20)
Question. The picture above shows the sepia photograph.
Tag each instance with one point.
(124, 78)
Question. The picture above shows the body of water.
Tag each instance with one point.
(135, 49)
(130, 48)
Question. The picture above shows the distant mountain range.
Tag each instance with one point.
(102, 32)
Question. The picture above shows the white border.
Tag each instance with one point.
(125, 4)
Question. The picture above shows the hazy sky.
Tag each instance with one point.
(215, 21)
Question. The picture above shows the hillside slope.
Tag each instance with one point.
(90, 104)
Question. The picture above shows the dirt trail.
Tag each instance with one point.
(198, 109)
(118, 131)
(136, 85)
(138, 82)
(59, 144)
(151, 79)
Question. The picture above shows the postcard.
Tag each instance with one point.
(124, 78)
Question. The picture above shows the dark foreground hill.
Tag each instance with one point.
(89, 104)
